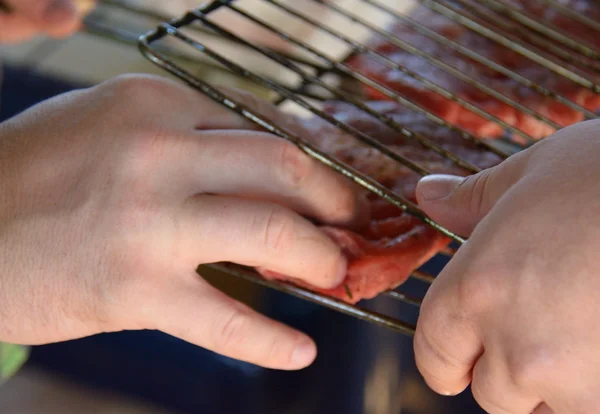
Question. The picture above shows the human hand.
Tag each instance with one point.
(21, 20)
(515, 312)
(110, 197)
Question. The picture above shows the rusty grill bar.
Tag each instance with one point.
(496, 20)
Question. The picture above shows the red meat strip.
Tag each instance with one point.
(566, 24)
(379, 260)
(394, 244)
(458, 115)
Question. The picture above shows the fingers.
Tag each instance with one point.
(447, 342)
(194, 311)
(460, 203)
(495, 392)
(260, 166)
(217, 228)
(54, 17)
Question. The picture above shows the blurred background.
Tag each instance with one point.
(361, 368)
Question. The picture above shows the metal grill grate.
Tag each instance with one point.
(306, 74)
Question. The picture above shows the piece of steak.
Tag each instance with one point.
(458, 115)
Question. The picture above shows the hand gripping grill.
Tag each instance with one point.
(303, 75)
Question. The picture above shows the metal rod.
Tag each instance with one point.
(411, 300)
(171, 29)
(117, 34)
(422, 276)
(508, 41)
(573, 14)
(544, 44)
(343, 96)
(346, 70)
(365, 181)
(424, 30)
(545, 28)
(303, 103)
(352, 310)
(448, 251)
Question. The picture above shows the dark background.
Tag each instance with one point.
(355, 357)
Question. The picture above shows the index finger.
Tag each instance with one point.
(447, 344)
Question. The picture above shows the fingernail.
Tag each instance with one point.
(59, 11)
(304, 354)
(437, 187)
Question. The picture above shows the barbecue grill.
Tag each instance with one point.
(305, 75)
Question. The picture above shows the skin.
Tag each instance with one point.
(30, 18)
(110, 198)
(515, 313)
(105, 215)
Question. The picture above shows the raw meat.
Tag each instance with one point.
(458, 115)
(383, 255)
(587, 8)
(378, 259)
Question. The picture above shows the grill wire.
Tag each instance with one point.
(493, 19)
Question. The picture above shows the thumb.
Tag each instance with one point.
(460, 203)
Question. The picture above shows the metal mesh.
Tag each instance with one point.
(301, 72)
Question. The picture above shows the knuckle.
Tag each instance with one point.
(479, 185)
(230, 331)
(295, 166)
(482, 393)
(480, 291)
(528, 368)
(345, 207)
(430, 345)
(148, 152)
(278, 230)
(145, 90)
(279, 352)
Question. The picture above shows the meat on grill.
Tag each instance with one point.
(458, 115)
(394, 244)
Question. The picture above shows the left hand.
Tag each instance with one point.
(515, 313)
(26, 19)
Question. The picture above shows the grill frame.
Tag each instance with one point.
(201, 14)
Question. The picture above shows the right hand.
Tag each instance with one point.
(28, 18)
(515, 312)
(110, 197)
